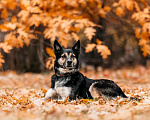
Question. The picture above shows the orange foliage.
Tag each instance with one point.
(142, 16)
(5, 47)
(65, 19)
(102, 49)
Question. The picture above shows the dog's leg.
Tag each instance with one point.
(50, 94)
(106, 88)
(64, 92)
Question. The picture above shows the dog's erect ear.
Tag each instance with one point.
(76, 47)
(57, 47)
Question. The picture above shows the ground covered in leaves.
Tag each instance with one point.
(21, 97)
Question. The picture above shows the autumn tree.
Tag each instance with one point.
(39, 20)
(122, 29)
(50, 19)
(140, 12)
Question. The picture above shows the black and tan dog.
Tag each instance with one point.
(68, 81)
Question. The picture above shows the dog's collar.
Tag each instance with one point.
(60, 75)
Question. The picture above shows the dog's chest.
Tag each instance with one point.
(61, 88)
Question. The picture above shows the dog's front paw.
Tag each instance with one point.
(50, 94)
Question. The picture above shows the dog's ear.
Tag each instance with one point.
(76, 47)
(57, 47)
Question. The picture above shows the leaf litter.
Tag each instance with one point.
(21, 97)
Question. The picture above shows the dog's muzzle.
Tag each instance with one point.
(69, 63)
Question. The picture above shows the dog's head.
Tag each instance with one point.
(66, 59)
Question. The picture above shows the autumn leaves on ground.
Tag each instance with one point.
(21, 97)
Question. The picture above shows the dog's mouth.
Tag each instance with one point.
(69, 67)
(67, 70)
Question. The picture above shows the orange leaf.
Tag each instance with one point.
(136, 6)
(4, 13)
(5, 47)
(23, 14)
(19, 42)
(107, 8)
(35, 10)
(138, 33)
(120, 11)
(38, 32)
(12, 4)
(31, 36)
(27, 41)
(89, 47)
(98, 42)
(115, 4)
(85, 101)
(142, 42)
(3, 28)
(10, 25)
(10, 39)
(64, 42)
(1, 60)
(50, 51)
(35, 2)
(35, 19)
(75, 36)
(90, 32)
(22, 32)
(130, 5)
(13, 19)
(50, 33)
(66, 24)
(50, 62)
(103, 50)
(145, 47)
(102, 13)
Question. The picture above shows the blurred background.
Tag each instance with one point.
(113, 33)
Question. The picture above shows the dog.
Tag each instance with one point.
(68, 81)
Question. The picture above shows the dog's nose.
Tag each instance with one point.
(69, 62)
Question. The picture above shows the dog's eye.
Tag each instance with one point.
(73, 56)
(63, 56)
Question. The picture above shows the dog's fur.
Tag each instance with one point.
(68, 81)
